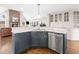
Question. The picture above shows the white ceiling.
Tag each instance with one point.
(31, 10)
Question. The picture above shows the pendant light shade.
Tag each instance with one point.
(38, 12)
(38, 8)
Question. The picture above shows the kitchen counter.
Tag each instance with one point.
(72, 33)
(24, 29)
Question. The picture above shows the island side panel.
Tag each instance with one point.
(21, 41)
(39, 39)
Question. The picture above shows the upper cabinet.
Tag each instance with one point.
(66, 16)
(56, 17)
(76, 16)
(51, 18)
(60, 16)
(65, 19)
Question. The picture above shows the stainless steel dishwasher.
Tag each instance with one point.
(57, 42)
(60, 42)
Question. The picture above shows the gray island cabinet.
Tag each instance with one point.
(39, 39)
(22, 41)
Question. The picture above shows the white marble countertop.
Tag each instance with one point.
(72, 34)
(25, 29)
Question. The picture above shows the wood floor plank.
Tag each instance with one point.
(6, 45)
(40, 51)
(72, 47)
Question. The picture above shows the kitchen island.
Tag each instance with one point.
(24, 38)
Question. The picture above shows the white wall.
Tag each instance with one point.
(7, 18)
(5, 13)
(31, 10)
(75, 34)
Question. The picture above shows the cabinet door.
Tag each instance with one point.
(51, 41)
(39, 39)
(43, 39)
(35, 39)
(22, 41)
(66, 17)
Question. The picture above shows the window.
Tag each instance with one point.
(66, 16)
(51, 18)
(55, 17)
(60, 17)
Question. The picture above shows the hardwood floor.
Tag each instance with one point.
(39, 51)
(72, 47)
(6, 47)
(6, 44)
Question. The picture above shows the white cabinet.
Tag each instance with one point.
(76, 18)
(64, 19)
(50, 18)
(57, 42)
(51, 41)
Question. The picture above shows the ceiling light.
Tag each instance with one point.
(38, 12)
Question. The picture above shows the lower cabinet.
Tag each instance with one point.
(57, 42)
(22, 41)
(51, 41)
(27, 40)
(39, 39)
(54, 41)
(35, 39)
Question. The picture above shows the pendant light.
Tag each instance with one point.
(38, 11)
